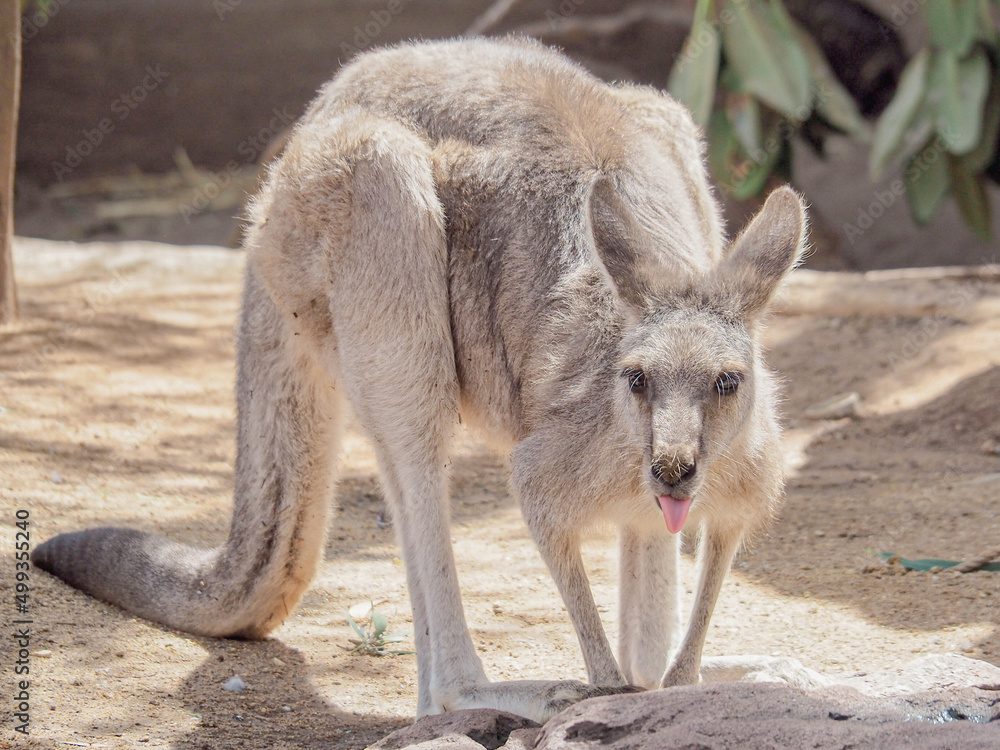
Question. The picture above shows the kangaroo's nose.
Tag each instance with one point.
(673, 470)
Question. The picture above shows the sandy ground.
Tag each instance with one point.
(116, 407)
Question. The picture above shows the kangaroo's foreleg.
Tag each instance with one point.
(649, 602)
(553, 513)
(562, 555)
(715, 556)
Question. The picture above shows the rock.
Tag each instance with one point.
(836, 407)
(522, 739)
(991, 447)
(235, 684)
(751, 715)
(934, 672)
(933, 703)
(483, 728)
(448, 742)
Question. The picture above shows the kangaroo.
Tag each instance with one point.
(482, 229)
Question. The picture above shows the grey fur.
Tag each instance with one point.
(481, 227)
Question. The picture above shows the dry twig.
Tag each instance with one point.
(489, 18)
(976, 563)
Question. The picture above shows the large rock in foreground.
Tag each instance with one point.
(935, 703)
(770, 715)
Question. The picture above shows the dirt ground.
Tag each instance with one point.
(116, 408)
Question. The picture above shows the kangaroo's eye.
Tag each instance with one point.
(636, 379)
(727, 383)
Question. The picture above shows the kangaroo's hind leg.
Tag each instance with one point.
(361, 188)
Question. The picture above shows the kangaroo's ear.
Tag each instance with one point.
(617, 244)
(763, 254)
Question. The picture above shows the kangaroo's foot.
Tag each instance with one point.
(538, 700)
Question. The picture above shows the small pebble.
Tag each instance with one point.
(497, 609)
(286, 709)
(44, 653)
(235, 684)
(991, 447)
(56, 478)
(278, 662)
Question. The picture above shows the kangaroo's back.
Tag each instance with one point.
(519, 135)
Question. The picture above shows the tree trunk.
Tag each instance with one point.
(10, 88)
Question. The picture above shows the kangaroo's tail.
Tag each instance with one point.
(287, 430)
(137, 571)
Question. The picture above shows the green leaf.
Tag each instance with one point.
(833, 101)
(753, 179)
(892, 126)
(970, 193)
(357, 628)
(926, 565)
(983, 154)
(734, 171)
(730, 81)
(693, 77)
(927, 181)
(953, 24)
(769, 61)
(987, 30)
(722, 145)
(379, 622)
(743, 112)
(958, 88)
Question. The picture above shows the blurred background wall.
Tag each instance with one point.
(117, 87)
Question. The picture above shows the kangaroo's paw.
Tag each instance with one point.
(562, 695)
(682, 671)
(538, 700)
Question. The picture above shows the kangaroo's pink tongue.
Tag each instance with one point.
(675, 511)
